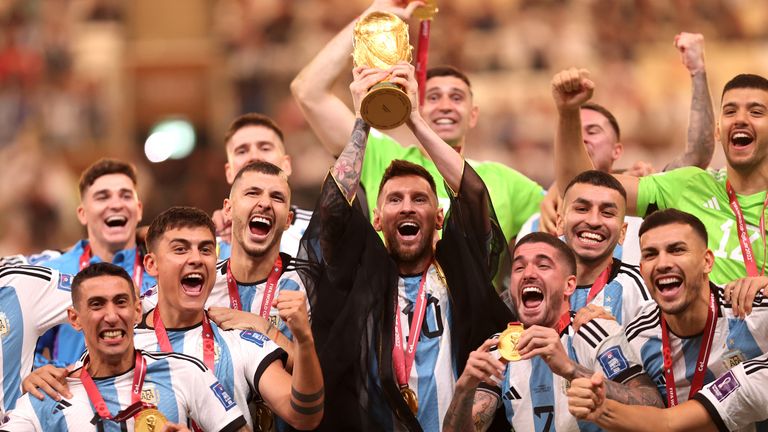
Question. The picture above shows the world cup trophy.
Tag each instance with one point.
(381, 41)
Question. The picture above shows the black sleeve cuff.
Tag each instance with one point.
(235, 425)
(629, 374)
(713, 414)
(278, 354)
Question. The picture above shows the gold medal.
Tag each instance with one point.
(508, 341)
(150, 420)
(410, 399)
(264, 420)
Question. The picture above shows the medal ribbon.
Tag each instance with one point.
(422, 52)
(138, 267)
(165, 342)
(563, 322)
(741, 227)
(94, 395)
(600, 282)
(269, 290)
(701, 362)
(403, 359)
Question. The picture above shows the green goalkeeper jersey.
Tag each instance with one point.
(703, 194)
(514, 196)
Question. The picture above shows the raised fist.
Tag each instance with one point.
(691, 47)
(571, 88)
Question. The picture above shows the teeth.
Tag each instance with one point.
(444, 121)
(531, 289)
(112, 333)
(668, 280)
(261, 219)
(196, 276)
(116, 218)
(408, 224)
(590, 237)
(740, 135)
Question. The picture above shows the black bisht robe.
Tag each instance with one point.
(354, 297)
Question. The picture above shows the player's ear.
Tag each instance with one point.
(74, 318)
(150, 264)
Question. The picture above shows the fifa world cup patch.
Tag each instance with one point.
(65, 282)
(5, 326)
(221, 394)
(613, 362)
(254, 337)
(724, 386)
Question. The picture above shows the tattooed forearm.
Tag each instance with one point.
(349, 164)
(701, 127)
(470, 411)
(638, 391)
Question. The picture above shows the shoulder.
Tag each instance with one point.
(32, 275)
(596, 331)
(629, 274)
(648, 319)
(301, 215)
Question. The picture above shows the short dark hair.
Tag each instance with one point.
(673, 216)
(178, 217)
(446, 70)
(604, 111)
(566, 254)
(261, 167)
(253, 119)
(746, 81)
(104, 167)
(96, 270)
(401, 168)
(598, 178)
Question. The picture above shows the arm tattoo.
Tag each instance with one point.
(307, 397)
(470, 410)
(700, 143)
(349, 164)
(314, 400)
(638, 391)
(485, 407)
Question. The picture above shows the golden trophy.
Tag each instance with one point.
(381, 41)
(507, 345)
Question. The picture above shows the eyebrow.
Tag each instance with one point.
(604, 204)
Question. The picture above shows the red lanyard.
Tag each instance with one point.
(98, 402)
(563, 322)
(138, 268)
(701, 362)
(741, 227)
(269, 290)
(599, 284)
(403, 358)
(165, 343)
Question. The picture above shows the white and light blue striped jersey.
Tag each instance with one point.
(737, 400)
(251, 295)
(534, 398)
(32, 300)
(240, 356)
(34, 259)
(180, 386)
(290, 240)
(735, 340)
(627, 251)
(623, 295)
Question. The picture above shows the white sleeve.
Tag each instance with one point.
(44, 292)
(209, 403)
(601, 345)
(22, 418)
(260, 352)
(738, 398)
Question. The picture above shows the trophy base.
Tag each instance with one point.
(385, 106)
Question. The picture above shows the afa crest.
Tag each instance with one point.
(5, 326)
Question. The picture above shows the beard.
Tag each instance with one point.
(402, 254)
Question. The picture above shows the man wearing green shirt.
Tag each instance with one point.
(448, 109)
(731, 202)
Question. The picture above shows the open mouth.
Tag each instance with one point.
(116, 221)
(532, 297)
(408, 229)
(590, 238)
(192, 284)
(445, 121)
(111, 335)
(742, 139)
(260, 225)
(668, 285)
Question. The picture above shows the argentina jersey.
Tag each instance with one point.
(32, 300)
(623, 295)
(181, 387)
(735, 341)
(240, 357)
(534, 398)
(627, 251)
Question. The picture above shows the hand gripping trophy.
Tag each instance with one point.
(381, 41)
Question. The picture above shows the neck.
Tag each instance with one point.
(174, 317)
(99, 367)
(588, 271)
(107, 252)
(247, 269)
(415, 266)
(747, 182)
(692, 320)
(564, 309)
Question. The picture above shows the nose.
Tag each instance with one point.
(593, 217)
(663, 262)
(529, 271)
(110, 313)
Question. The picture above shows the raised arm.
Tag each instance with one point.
(330, 118)
(701, 124)
(570, 89)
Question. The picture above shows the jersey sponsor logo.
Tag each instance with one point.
(732, 358)
(5, 326)
(221, 394)
(613, 362)
(512, 394)
(149, 394)
(60, 406)
(254, 337)
(711, 203)
(724, 386)
(65, 282)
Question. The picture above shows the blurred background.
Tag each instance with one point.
(84, 79)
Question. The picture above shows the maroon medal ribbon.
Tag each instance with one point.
(701, 362)
(741, 227)
(600, 282)
(98, 402)
(138, 267)
(269, 290)
(563, 322)
(165, 342)
(402, 357)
